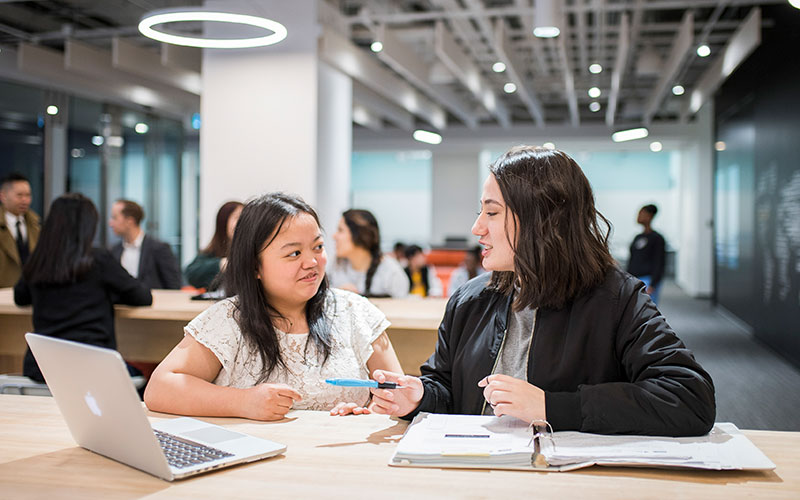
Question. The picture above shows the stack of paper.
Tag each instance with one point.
(505, 442)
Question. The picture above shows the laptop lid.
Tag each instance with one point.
(94, 393)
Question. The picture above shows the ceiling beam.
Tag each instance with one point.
(462, 66)
(342, 54)
(740, 46)
(506, 55)
(401, 58)
(535, 43)
(619, 68)
(378, 105)
(366, 118)
(682, 46)
(136, 60)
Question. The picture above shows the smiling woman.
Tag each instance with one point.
(270, 346)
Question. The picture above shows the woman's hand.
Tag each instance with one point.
(515, 397)
(396, 402)
(350, 409)
(268, 401)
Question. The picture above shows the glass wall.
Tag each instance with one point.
(107, 152)
(22, 112)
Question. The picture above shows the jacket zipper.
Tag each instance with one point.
(494, 366)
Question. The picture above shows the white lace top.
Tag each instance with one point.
(355, 324)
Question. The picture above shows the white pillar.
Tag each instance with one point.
(334, 148)
(261, 127)
(456, 188)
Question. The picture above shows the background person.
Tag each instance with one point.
(648, 253)
(146, 258)
(71, 284)
(466, 271)
(270, 346)
(422, 277)
(557, 332)
(360, 266)
(19, 227)
(203, 270)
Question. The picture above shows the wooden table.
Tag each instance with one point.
(149, 333)
(345, 458)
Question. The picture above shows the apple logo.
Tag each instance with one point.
(92, 404)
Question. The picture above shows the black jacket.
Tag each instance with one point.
(82, 311)
(648, 256)
(158, 266)
(608, 362)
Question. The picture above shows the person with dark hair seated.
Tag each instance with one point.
(648, 253)
(204, 270)
(73, 287)
(423, 278)
(557, 332)
(470, 269)
(270, 346)
(361, 267)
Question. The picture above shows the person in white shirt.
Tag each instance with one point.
(360, 266)
(468, 270)
(270, 346)
(147, 259)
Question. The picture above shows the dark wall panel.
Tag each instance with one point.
(757, 187)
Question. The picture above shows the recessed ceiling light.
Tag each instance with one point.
(98, 140)
(547, 18)
(630, 134)
(427, 137)
(595, 68)
(656, 146)
(549, 145)
(594, 107)
(594, 92)
(703, 50)
(509, 88)
(52, 110)
(141, 128)
(678, 90)
(795, 3)
(376, 46)
(498, 67)
(720, 145)
(163, 16)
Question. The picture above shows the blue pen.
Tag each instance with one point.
(356, 382)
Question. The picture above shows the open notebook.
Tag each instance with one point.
(488, 442)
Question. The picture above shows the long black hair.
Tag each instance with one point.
(261, 221)
(561, 250)
(365, 234)
(64, 251)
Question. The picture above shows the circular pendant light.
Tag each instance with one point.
(156, 17)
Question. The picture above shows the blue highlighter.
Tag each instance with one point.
(356, 382)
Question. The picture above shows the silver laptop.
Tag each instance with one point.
(93, 390)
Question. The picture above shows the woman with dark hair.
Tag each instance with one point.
(73, 287)
(270, 346)
(200, 273)
(557, 332)
(422, 277)
(468, 270)
(361, 267)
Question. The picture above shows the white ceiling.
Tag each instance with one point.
(442, 51)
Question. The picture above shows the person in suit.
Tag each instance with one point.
(73, 285)
(147, 259)
(19, 228)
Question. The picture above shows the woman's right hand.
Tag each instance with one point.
(396, 402)
(269, 401)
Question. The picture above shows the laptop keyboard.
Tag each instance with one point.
(181, 453)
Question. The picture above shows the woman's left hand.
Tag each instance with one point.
(515, 397)
(350, 408)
